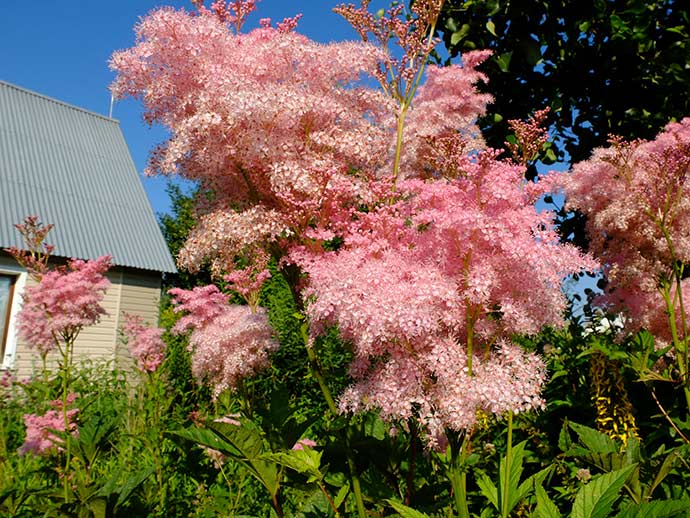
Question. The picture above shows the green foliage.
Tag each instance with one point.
(603, 67)
(175, 227)
(596, 499)
(510, 490)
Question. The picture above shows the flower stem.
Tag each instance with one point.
(66, 361)
(670, 307)
(317, 372)
(505, 492)
(457, 474)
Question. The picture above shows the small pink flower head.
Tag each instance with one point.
(289, 24)
(35, 253)
(232, 419)
(145, 343)
(216, 457)
(231, 13)
(202, 305)
(63, 302)
(235, 345)
(39, 436)
(248, 281)
(6, 379)
(57, 403)
(304, 443)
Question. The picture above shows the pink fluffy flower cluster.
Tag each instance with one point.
(430, 289)
(63, 302)
(40, 436)
(282, 130)
(228, 342)
(636, 196)
(145, 343)
(443, 254)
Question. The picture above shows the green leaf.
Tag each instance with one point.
(491, 27)
(658, 509)
(666, 467)
(459, 35)
(375, 427)
(593, 440)
(302, 461)
(208, 438)
(132, 483)
(596, 498)
(503, 61)
(550, 156)
(532, 482)
(545, 507)
(243, 443)
(404, 511)
(99, 507)
(489, 490)
(512, 477)
(565, 443)
(342, 495)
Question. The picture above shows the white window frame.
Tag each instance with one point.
(17, 298)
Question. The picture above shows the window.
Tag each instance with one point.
(12, 282)
(7, 283)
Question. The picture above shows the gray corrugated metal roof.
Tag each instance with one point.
(72, 168)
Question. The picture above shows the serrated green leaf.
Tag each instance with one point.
(594, 440)
(243, 443)
(489, 490)
(658, 509)
(342, 495)
(545, 507)
(669, 463)
(605, 461)
(565, 443)
(512, 477)
(132, 483)
(303, 461)
(206, 437)
(404, 511)
(596, 498)
(531, 483)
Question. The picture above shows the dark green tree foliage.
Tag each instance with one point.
(604, 67)
(175, 228)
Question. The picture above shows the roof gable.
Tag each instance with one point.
(72, 168)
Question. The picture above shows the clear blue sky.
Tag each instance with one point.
(61, 49)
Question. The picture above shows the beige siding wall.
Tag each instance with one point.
(131, 292)
(140, 296)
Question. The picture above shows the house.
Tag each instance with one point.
(72, 168)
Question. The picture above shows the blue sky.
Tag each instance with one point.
(61, 49)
